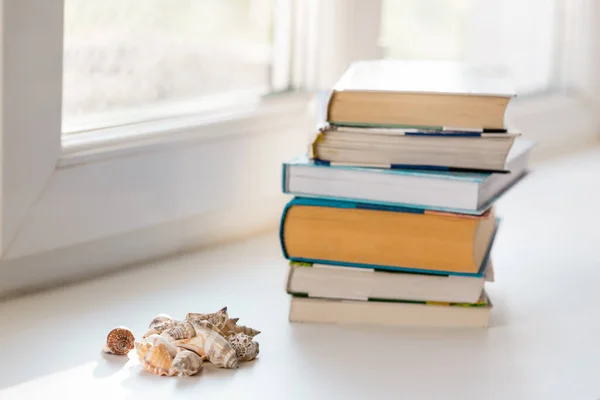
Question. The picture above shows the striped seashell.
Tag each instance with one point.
(119, 341)
(246, 330)
(183, 330)
(158, 361)
(187, 363)
(245, 348)
(218, 319)
(161, 323)
(211, 345)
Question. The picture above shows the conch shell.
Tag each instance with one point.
(154, 340)
(183, 330)
(158, 361)
(119, 341)
(187, 363)
(160, 323)
(209, 344)
(217, 319)
(229, 327)
(246, 330)
(245, 348)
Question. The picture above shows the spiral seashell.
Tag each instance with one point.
(187, 363)
(246, 330)
(119, 341)
(211, 345)
(245, 348)
(158, 361)
(183, 330)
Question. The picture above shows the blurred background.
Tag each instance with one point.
(128, 61)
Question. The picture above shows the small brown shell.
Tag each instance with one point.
(158, 361)
(119, 341)
(187, 363)
(245, 348)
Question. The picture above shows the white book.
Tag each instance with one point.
(354, 312)
(461, 192)
(352, 283)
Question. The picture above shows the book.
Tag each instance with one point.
(401, 148)
(420, 93)
(351, 283)
(451, 191)
(395, 238)
(388, 313)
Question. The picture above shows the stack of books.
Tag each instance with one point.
(392, 220)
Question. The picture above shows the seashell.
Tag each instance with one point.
(187, 363)
(183, 330)
(155, 339)
(142, 348)
(245, 348)
(119, 341)
(218, 319)
(229, 327)
(149, 332)
(246, 330)
(211, 345)
(158, 361)
(161, 323)
(159, 319)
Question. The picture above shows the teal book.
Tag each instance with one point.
(392, 238)
(449, 191)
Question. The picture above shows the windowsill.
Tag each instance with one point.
(534, 261)
(248, 117)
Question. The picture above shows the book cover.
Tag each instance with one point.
(349, 204)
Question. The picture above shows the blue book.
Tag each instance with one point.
(450, 191)
(366, 235)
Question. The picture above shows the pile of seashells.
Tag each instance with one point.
(176, 348)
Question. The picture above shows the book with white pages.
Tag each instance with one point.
(449, 191)
(350, 283)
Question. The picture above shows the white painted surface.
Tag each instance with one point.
(542, 342)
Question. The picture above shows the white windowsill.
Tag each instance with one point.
(248, 117)
(533, 261)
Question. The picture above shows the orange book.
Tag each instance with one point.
(393, 238)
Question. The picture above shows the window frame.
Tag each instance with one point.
(51, 193)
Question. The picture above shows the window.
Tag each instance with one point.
(425, 29)
(131, 60)
(521, 35)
